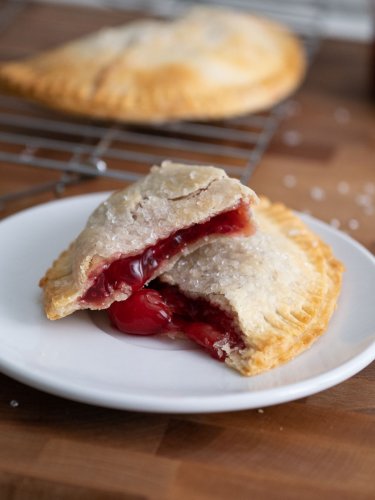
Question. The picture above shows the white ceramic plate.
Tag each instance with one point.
(82, 358)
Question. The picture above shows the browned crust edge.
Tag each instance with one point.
(153, 105)
(303, 328)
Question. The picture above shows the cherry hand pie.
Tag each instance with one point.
(140, 232)
(253, 302)
(210, 63)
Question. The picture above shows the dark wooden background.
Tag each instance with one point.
(322, 160)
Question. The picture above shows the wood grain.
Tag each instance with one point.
(318, 447)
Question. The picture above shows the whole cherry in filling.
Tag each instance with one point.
(144, 313)
(151, 312)
(136, 270)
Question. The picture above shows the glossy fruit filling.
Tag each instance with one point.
(136, 270)
(165, 309)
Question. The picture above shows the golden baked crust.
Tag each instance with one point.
(172, 197)
(211, 63)
(280, 286)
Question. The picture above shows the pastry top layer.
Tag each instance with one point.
(171, 197)
(280, 286)
(211, 62)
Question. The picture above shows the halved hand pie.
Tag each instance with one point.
(253, 302)
(140, 232)
(210, 63)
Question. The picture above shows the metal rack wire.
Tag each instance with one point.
(81, 149)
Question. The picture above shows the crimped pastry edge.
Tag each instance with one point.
(277, 350)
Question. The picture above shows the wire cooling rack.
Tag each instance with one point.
(82, 149)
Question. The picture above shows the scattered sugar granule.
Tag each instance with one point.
(335, 223)
(317, 193)
(14, 403)
(260, 410)
(353, 224)
(289, 181)
(292, 138)
(100, 165)
(363, 200)
(342, 115)
(343, 187)
(281, 428)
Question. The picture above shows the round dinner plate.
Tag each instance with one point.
(82, 357)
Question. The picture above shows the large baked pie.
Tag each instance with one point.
(253, 302)
(210, 63)
(140, 231)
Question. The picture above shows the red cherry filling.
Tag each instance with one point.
(135, 271)
(143, 313)
(208, 337)
(149, 312)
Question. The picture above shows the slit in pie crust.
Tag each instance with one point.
(211, 63)
(140, 232)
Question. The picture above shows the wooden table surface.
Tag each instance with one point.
(321, 161)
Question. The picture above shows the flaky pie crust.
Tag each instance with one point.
(210, 63)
